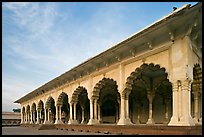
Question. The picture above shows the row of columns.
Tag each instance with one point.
(181, 109)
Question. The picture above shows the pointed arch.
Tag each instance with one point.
(61, 97)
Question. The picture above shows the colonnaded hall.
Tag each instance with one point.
(152, 77)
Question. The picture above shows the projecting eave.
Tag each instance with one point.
(165, 29)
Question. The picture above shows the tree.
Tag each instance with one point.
(17, 110)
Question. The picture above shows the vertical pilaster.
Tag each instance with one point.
(174, 119)
(186, 119)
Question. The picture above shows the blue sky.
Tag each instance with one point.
(40, 41)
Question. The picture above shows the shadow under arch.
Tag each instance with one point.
(149, 93)
(41, 113)
(108, 100)
(80, 97)
(196, 94)
(62, 102)
(50, 106)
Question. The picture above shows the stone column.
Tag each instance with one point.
(95, 109)
(72, 119)
(99, 113)
(74, 111)
(186, 119)
(91, 120)
(124, 116)
(22, 121)
(174, 119)
(60, 114)
(48, 115)
(26, 115)
(57, 115)
(31, 120)
(70, 115)
(195, 92)
(200, 119)
(34, 116)
(37, 122)
(150, 97)
(45, 120)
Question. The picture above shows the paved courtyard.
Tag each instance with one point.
(34, 131)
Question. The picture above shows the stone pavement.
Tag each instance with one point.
(33, 131)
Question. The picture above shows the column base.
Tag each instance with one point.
(71, 121)
(174, 121)
(124, 121)
(37, 122)
(93, 122)
(47, 122)
(150, 122)
(58, 122)
(186, 121)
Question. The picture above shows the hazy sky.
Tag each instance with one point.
(40, 41)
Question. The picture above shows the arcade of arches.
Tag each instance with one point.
(146, 99)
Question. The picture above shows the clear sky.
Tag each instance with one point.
(40, 41)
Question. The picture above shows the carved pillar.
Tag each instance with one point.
(195, 92)
(22, 121)
(174, 119)
(186, 119)
(71, 113)
(60, 114)
(37, 122)
(124, 115)
(75, 111)
(150, 97)
(57, 114)
(91, 120)
(48, 115)
(95, 109)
